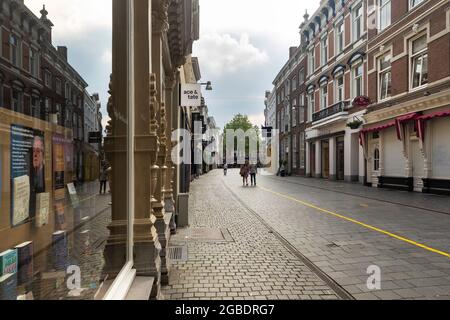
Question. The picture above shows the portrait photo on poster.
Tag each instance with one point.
(27, 172)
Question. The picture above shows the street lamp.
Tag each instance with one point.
(208, 85)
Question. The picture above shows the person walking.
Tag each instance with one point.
(225, 169)
(245, 170)
(103, 179)
(253, 172)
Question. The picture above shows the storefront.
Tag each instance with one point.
(410, 151)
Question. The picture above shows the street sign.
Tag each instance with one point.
(191, 95)
(95, 137)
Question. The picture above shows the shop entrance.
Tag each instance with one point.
(340, 162)
(312, 159)
(325, 159)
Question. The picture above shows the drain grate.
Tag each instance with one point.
(178, 253)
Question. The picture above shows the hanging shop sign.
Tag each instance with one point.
(190, 95)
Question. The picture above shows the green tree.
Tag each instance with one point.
(240, 121)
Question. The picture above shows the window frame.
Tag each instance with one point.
(324, 103)
(338, 35)
(311, 105)
(354, 79)
(324, 46)
(14, 50)
(381, 73)
(380, 6)
(412, 57)
(359, 6)
(411, 4)
(339, 88)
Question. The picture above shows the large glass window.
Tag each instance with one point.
(384, 77)
(419, 62)
(384, 14)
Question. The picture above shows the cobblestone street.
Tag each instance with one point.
(254, 264)
(341, 228)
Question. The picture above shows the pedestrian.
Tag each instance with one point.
(225, 169)
(253, 172)
(103, 179)
(245, 170)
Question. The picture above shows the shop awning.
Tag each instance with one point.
(363, 133)
(422, 120)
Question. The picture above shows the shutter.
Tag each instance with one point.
(26, 57)
(5, 44)
(7, 97)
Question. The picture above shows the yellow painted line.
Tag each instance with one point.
(445, 254)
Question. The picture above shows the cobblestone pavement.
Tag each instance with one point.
(252, 263)
(342, 228)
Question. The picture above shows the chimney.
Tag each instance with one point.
(62, 50)
(292, 51)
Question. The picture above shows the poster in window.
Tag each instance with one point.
(27, 172)
(58, 166)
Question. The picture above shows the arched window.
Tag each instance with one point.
(376, 159)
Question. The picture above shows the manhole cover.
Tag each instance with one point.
(205, 235)
(178, 254)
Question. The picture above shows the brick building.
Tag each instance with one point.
(407, 126)
(335, 37)
(36, 78)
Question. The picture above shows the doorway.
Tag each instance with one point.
(340, 158)
(312, 159)
(325, 159)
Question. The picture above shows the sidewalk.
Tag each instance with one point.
(430, 202)
(231, 254)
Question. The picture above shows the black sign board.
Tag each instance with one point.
(95, 137)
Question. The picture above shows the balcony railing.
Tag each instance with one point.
(334, 109)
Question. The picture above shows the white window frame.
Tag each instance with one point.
(324, 96)
(422, 53)
(355, 18)
(302, 108)
(387, 5)
(324, 50)
(414, 3)
(354, 79)
(311, 105)
(339, 48)
(339, 88)
(312, 61)
(382, 74)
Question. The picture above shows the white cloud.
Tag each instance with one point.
(221, 53)
(257, 119)
(75, 18)
(107, 57)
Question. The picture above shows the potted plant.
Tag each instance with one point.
(355, 124)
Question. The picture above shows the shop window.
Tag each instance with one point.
(419, 62)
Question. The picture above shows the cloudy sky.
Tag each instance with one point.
(242, 46)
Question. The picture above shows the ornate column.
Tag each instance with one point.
(147, 247)
(171, 107)
(160, 26)
(116, 253)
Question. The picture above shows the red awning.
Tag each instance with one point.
(439, 114)
(379, 128)
(410, 116)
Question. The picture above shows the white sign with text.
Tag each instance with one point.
(191, 95)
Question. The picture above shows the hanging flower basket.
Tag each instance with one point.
(355, 124)
(361, 101)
